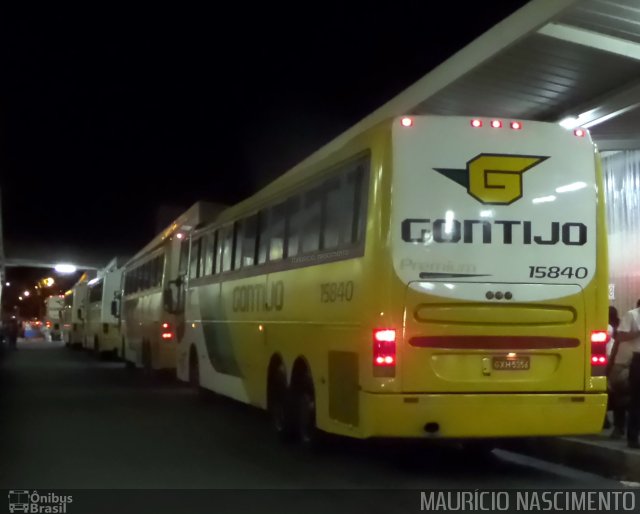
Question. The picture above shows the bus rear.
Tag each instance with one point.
(499, 262)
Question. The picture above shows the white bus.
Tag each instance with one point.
(75, 312)
(54, 306)
(152, 288)
(103, 334)
(433, 277)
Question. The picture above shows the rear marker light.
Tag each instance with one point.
(476, 123)
(516, 125)
(579, 132)
(599, 336)
(384, 348)
(599, 339)
(167, 335)
(406, 122)
(496, 124)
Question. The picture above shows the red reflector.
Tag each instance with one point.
(496, 123)
(516, 125)
(599, 336)
(476, 123)
(579, 132)
(406, 122)
(167, 335)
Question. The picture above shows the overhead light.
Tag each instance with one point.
(26, 293)
(93, 281)
(8, 284)
(65, 268)
(569, 122)
(20, 298)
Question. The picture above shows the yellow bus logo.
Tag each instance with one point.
(494, 179)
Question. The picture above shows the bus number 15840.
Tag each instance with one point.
(557, 272)
(336, 292)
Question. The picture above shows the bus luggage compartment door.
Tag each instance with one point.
(492, 337)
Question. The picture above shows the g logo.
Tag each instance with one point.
(494, 179)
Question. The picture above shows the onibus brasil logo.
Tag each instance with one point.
(22, 500)
(493, 179)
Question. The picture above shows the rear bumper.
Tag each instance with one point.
(481, 415)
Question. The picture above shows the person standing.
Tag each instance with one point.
(629, 345)
(11, 333)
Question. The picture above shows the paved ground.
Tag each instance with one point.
(69, 421)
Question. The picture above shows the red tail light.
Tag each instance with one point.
(496, 124)
(599, 339)
(476, 123)
(166, 332)
(384, 351)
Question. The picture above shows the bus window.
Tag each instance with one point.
(206, 268)
(337, 212)
(237, 253)
(214, 254)
(195, 259)
(360, 195)
(227, 248)
(263, 236)
(311, 220)
(294, 226)
(250, 227)
(276, 229)
(183, 265)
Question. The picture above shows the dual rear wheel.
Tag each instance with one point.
(292, 409)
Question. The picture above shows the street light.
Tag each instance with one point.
(26, 293)
(20, 298)
(65, 268)
(8, 284)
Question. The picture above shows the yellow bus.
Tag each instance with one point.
(150, 318)
(103, 335)
(433, 277)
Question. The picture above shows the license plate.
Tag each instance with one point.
(511, 363)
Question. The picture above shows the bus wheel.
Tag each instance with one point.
(305, 413)
(278, 404)
(194, 370)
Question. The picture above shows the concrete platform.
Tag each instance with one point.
(598, 454)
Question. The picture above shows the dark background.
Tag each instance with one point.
(110, 118)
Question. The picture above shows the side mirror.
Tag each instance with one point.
(167, 297)
(114, 308)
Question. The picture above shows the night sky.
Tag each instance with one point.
(108, 117)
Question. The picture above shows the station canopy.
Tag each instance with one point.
(576, 61)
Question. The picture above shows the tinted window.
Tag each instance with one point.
(237, 251)
(249, 235)
(263, 236)
(183, 265)
(276, 231)
(227, 248)
(294, 226)
(311, 220)
(195, 259)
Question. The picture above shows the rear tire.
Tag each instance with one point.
(279, 405)
(194, 370)
(304, 402)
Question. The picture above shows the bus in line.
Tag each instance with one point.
(434, 277)
(148, 302)
(74, 313)
(103, 328)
